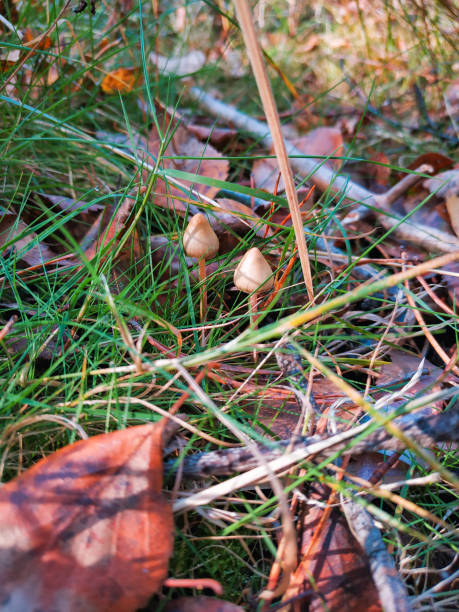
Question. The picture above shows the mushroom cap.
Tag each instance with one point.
(199, 239)
(253, 273)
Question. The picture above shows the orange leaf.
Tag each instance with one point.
(337, 565)
(87, 528)
(121, 79)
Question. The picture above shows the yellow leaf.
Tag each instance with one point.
(121, 79)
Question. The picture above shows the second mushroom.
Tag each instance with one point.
(253, 275)
(201, 242)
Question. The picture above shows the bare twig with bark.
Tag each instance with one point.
(427, 430)
(392, 592)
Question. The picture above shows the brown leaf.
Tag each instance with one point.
(13, 229)
(69, 203)
(106, 230)
(120, 80)
(201, 604)
(322, 141)
(436, 160)
(184, 143)
(337, 565)
(238, 217)
(87, 528)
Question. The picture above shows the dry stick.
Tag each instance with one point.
(272, 116)
(325, 178)
(392, 592)
(427, 430)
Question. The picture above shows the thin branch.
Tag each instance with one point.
(426, 430)
(392, 592)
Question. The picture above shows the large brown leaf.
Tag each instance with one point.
(333, 565)
(87, 528)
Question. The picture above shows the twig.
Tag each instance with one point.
(392, 592)
(326, 179)
(272, 116)
(426, 430)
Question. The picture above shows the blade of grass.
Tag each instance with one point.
(272, 116)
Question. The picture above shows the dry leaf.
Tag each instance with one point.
(339, 569)
(452, 99)
(87, 528)
(53, 75)
(120, 80)
(438, 161)
(322, 141)
(179, 65)
(183, 143)
(11, 228)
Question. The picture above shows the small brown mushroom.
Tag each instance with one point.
(200, 241)
(253, 275)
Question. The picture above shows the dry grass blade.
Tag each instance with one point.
(272, 116)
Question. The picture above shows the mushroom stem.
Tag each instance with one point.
(203, 300)
(253, 300)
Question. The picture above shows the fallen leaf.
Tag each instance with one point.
(238, 217)
(438, 161)
(183, 143)
(121, 80)
(87, 528)
(179, 65)
(336, 568)
(53, 75)
(452, 98)
(17, 235)
(105, 229)
(30, 36)
(68, 204)
(323, 141)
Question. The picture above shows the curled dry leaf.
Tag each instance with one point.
(121, 80)
(323, 141)
(437, 161)
(87, 528)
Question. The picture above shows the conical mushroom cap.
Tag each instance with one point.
(253, 273)
(199, 239)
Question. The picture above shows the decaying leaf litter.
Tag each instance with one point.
(343, 411)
